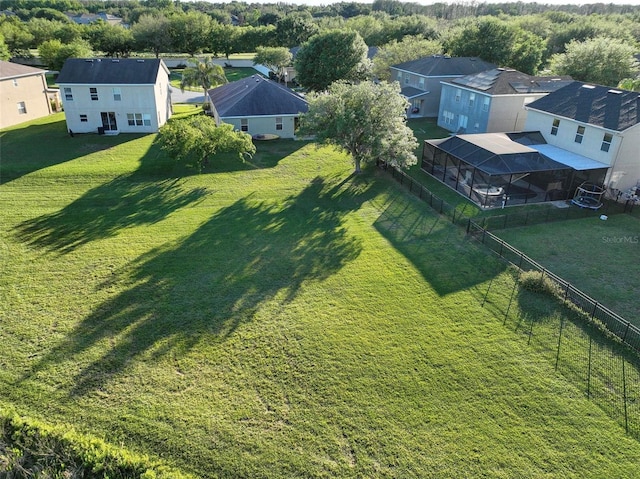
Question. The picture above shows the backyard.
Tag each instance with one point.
(272, 318)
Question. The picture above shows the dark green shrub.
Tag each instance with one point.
(536, 282)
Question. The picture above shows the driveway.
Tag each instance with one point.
(178, 96)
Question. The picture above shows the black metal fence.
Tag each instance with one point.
(610, 376)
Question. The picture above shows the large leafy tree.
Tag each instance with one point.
(632, 84)
(274, 58)
(113, 40)
(54, 53)
(330, 56)
(605, 61)
(395, 52)
(4, 49)
(152, 32)
(203, 73)
(194, 140)
(366, 120)
(190, 32)
(294, 29)
(225, 39)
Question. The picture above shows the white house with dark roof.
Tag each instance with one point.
(24, 94)
(493, 100)
(115, 95)
(420, 80)
(596, 122)
(257, 106)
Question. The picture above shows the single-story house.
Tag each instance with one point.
(493, 100)
(258, 106)
(420, 80)
(24, 94)
(115, 95)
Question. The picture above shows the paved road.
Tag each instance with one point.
(186, 97)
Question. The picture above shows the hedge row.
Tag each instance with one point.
(30, 448)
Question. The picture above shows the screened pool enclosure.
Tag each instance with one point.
(500, 169)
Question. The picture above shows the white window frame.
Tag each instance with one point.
(84, 118)
(117, 94)
(15, 82)
(22, 108)
(472, 99)
(485, 104)
(579, 134)
(244, 124)
(93, 92)
(607, 139)
(278, 123)
(554, 126)
(146, 119)
(68, 94)
(458, 96)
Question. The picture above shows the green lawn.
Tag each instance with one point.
(276, 318)
(232, 74)
(602, 258)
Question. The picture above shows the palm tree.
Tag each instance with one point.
(205, 74)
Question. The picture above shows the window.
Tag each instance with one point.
(579, 134)
(117, 94)
(421, 83)
(606, 142)
(94, 94)
(448, 117)
(244, 124)
(146, 119)
(406, 78)
(399, 75)
(472, 99)
(83, 118)
(134, 119)
(554, 127)
(485, 104)
(278, 123)
(22, 108)
(15, 82)
(457, 96)
(68, 95)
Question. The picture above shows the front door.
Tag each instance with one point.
(109, 120)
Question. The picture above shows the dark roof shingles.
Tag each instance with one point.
(125, 71)
(438, 65)
(597, 105)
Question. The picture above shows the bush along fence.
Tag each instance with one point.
(586, 341)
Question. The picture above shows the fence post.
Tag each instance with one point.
(468, 225)
(530, 332)
(593, 313)
(515, 284)
(589, 370)
(624, 337)
(624, 398)
(566, 292)
(504, 226)
(559, 340)
(487, 293)
(526, 219)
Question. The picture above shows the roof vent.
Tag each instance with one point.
(588, 87)
(140, 61)
(89, 60)
(615, 92)
(115, 61)
(258, 79)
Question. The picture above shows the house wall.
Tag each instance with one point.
(151, 100)
(626, 168)
(265, 125)
(431, 101)
(508, 113)
(32, 90)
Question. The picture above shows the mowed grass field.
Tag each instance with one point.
(602, 258)
(276, 318)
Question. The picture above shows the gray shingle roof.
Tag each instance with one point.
(256, 96)
(123, 71)
(439, 65)
(15, 70)
(593, 104)
(504, 81)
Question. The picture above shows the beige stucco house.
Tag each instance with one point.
(24, 94)
(115, 95)
(257, 106)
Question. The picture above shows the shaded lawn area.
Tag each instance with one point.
(276, 319)
(601, 258)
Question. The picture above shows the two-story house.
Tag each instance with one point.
(420, 80)
(493, 100)
(115, 95)
(257, 106)
(597, 122)
(24, 94)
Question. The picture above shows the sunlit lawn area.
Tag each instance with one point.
(276, 318)
(232, 74)
(602, 258)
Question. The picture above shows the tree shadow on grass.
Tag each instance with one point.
(39, 146)
(442, 253)
(101, 212)
(207, 285)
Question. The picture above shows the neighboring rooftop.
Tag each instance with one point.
(15, 70)
(597, 105)
(506, 81)
(444, 65)
(88, 18)
(101, 71)
(256, 96)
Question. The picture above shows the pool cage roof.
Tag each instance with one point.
(500, 153)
